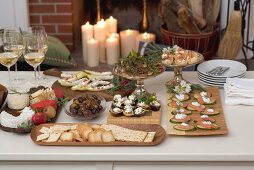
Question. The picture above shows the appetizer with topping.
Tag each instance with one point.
(182, 111)
(134, 105)
(207, 125)
(184, 127)
(195, 106)
(87, 80)
(180, 118)
(210, 112)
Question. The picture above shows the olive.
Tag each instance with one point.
(87, 113)
(80, 99)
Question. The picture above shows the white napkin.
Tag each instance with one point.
(239, 91)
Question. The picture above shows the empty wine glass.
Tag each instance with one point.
(13, 42)
(8, 59)
(35, 53)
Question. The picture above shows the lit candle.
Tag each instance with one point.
(113, 50)
(114, 35)
(87, 34)
(93, 53)
(112, 25)
(145, 37)
(128, 41)
(100, 33)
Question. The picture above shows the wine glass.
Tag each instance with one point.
(40, 30)
(8, 59)
(13, 42)
(35, 53)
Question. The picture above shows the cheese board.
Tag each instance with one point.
(159, 135)
(216, 118)
(24, 110)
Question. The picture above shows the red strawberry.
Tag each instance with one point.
(58, 92)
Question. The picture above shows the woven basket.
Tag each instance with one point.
(206, 44)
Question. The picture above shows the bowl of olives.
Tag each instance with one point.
(85, 107)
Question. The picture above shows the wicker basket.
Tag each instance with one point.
(206, 44)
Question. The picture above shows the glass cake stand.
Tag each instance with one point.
(140, 87)
(178, 77)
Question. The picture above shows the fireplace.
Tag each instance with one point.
(63, 18)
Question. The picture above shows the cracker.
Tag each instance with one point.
(150, 137)
(53, 137)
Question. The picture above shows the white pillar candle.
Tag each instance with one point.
(114, 35)
(111, 24)
(93, 53)
(87, 34)
(100, 34)
(145, 37)
(113, 50)
(128, 41)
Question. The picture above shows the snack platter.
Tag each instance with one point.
(105, 94)
(158, 138)
(219, 118)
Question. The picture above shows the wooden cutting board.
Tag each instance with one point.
(148, 118)
(105, 94)
(220, 119)
(159, 136)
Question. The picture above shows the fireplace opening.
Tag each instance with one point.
(129, 14)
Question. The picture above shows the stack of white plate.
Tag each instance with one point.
(236, 69)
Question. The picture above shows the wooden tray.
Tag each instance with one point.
(220, 119)
(148, 118)
(106, 95)
(3, 95)
(23, 130)
(159, 137)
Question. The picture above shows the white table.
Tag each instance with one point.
(233, 151)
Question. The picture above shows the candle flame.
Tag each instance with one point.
(129, 32)
(146, 35)
(111, 18)
(87, 23)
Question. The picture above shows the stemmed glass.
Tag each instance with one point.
(35, 53)
(8, 59)
(13, 42)
(40, 30)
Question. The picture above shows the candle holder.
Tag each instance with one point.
(140, 87)
(98, 10)
(144, 21)
(178, 77)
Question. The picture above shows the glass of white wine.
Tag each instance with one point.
(13, 42)
(8, 59)
(34, 55)
(40, 30)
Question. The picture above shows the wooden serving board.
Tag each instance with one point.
(23, 130)
(159, 137)
(149, 118)
(106, 95)
(220, 119)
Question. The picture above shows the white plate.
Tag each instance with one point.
(210, 83)
(236, 68)
(216, 80)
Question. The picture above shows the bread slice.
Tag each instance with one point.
(86, 132)
(92, 137)
(66, 137)
(107, 136)
(150, 137)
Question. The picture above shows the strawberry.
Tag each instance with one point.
(40, 105)
(58, 92)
